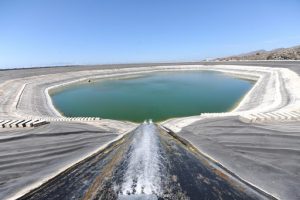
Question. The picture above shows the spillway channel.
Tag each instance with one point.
(147, 163)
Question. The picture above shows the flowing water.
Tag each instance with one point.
(144, 164)
(147, 164)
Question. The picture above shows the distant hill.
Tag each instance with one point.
(292, 53)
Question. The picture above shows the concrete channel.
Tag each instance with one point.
(148, 163)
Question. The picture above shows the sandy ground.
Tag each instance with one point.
(265, 153)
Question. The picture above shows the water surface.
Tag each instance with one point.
(157, 96)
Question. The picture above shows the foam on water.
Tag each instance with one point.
(143, 175)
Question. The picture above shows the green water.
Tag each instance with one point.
(157, 96)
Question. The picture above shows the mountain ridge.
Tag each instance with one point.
(291, 53)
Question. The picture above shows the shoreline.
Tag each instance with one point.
(50, 90)
(266, 110)
(247, 108)
(238, 75)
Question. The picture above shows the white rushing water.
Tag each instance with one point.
(143, 175)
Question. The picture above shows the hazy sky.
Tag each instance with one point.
(59, 32)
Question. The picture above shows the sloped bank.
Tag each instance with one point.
(276, 89)
(274, 97)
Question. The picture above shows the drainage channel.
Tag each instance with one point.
(147, 163)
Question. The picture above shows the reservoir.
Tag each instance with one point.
(158, 96)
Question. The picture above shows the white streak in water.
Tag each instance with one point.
(143, 173)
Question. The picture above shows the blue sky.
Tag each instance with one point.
(60, 32)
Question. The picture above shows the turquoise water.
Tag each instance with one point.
(157, 96)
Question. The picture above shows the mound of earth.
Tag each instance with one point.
(292, 53)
